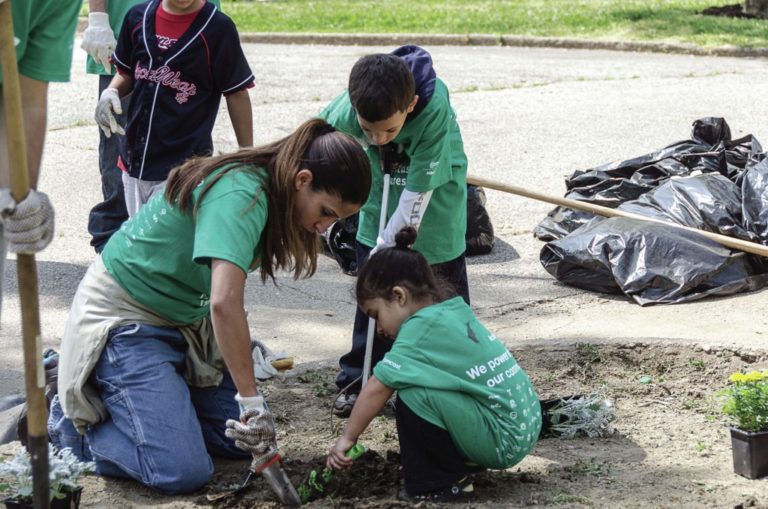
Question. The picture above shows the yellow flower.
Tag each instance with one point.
(753, 376)
(737, 377)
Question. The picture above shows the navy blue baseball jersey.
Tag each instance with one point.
(176, 91)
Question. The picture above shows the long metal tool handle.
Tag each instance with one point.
(34, 374)
(741, 245)
(382, 223)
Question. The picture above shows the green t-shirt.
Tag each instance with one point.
(161, 256)
(116, 10)
(451, 371)
(436, 162)
(45, 31)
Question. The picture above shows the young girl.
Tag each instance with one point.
(156, 354)
(463, 401)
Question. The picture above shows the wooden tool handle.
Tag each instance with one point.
(34, 375)
(739, 244)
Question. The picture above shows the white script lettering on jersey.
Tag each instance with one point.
(166, 77)
(164, 42)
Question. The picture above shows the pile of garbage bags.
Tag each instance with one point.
(710, 182)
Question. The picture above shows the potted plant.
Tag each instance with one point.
(64, 472)
(746, 401)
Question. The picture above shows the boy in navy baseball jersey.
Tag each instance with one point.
(176, 58)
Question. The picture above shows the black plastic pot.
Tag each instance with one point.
(71, 500)
(750, 453)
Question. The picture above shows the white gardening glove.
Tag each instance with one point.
(109, 105)
(262, 360)
(99, 40)
(27, 225)
(255, 432)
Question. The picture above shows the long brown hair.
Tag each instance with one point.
(339, 167)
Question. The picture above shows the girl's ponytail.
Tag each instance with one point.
(405, 238)
(400, 266)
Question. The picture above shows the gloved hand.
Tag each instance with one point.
(108, 106)
(98, 39)
(255, 432)
(28, 225)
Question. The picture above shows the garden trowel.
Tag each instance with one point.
(276, 478)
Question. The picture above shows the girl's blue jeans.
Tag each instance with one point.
(160, 431)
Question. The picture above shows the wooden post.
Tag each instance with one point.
(34, 374)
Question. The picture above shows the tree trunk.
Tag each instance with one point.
(756, 8)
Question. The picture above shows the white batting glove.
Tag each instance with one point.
(109, 106)
(27, 225)
(98, 39)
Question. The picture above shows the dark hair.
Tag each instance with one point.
(400, 266)
(380, 85)
(339, 167)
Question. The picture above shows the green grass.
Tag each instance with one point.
(635, 20)
(676, 21)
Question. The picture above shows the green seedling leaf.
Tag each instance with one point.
(312, 481)
(319, 481)
(304, 493)
(645, 379)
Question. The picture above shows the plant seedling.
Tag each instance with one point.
(582, 415)
(64, 472)
(318, 480)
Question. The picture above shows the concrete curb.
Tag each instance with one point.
(496, 40)
(334, 39)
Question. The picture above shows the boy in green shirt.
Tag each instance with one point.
(464, 403)
(401, 113)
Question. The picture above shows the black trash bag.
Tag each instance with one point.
(559, 222)
(754, 193)
(708, 202)
(710, 150)
(340, 243)
(657, 263)
(479, 237)
(650, 263)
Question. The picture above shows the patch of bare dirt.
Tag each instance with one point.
(671, 447)
(729, 11)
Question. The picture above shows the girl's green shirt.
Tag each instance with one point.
(162, 257)
(451, 371)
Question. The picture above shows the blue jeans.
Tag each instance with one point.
(160, 431)
(351, 363)
(107, 217)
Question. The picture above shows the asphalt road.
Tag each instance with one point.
(529, 117)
